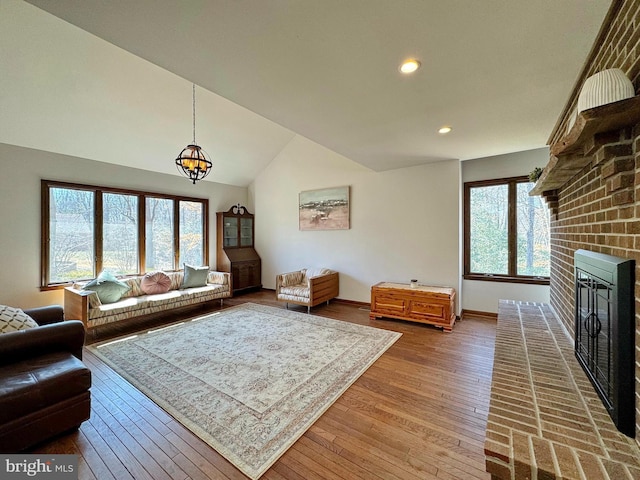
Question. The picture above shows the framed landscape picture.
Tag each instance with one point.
(324, 209)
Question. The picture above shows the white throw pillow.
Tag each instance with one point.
(14, 319)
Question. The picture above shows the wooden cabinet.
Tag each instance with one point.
(424, 304)
(235, 252)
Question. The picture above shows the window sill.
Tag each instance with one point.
(55, 286)
(507, 279)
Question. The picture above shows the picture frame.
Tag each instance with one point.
(324, 209)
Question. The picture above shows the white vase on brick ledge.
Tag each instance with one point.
(604, 87)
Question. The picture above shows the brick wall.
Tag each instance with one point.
(599, 208)
(617, 46)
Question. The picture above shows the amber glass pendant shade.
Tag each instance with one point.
(193, 163)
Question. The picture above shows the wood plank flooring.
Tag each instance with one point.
(418, 413)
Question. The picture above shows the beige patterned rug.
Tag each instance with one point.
(248, 380)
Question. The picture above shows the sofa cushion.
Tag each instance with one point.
(155, 282)
(194, 276)
(14, 319)
(134, 287)
(147, 304)
(108, 287)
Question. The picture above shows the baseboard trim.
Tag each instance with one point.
(478, 313)
(337, 299)
(355, 303)
(367, 305)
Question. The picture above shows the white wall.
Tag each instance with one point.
(21, 170)
(404, 222)
(484, 296)
(66, 91)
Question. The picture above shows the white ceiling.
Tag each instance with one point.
(498, 71)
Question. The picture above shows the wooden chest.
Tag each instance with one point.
(423, 304)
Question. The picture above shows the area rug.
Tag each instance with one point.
(248, 380)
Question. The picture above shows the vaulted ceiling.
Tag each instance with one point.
(497, 71)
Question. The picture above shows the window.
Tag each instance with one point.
(71, 234)
(506, 232)
(159, 246)
(191, 233)
(120, 251)
(87, 229)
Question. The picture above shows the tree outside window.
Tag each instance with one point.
(506, 232)
(120, 233)
(87, 229)
(159, 246)
(191, 233)
(71, 234)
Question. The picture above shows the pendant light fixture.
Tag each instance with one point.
(193, 161)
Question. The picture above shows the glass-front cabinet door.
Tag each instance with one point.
(235, 252)
(246, 232)
(230, 237)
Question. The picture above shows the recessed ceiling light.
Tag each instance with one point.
(409, 66)
(444, 130)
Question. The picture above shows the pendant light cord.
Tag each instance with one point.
(194, 113)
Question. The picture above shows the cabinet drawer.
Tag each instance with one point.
(391, 305)
(427, 309)
(246, 274)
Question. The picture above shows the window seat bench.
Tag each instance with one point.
(86, 306)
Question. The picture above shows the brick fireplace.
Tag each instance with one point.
(592, 187)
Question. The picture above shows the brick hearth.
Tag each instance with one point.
(545, 419)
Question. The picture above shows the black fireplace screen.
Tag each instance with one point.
(605, 331)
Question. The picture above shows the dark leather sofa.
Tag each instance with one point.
(44, 386)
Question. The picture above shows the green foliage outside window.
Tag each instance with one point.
(489, 236)
(72, 248)
(504, 241)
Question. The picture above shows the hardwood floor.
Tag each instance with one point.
(418, 413)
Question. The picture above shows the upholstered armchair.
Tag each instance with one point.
(308, 287)
(44, 386)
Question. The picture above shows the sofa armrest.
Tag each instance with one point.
(76, 304)
(46, 315)
(219, 278)
(57, 337)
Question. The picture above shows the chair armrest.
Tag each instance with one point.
(46, 315)
(332, 278)
(323, 287)
(57, 337)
